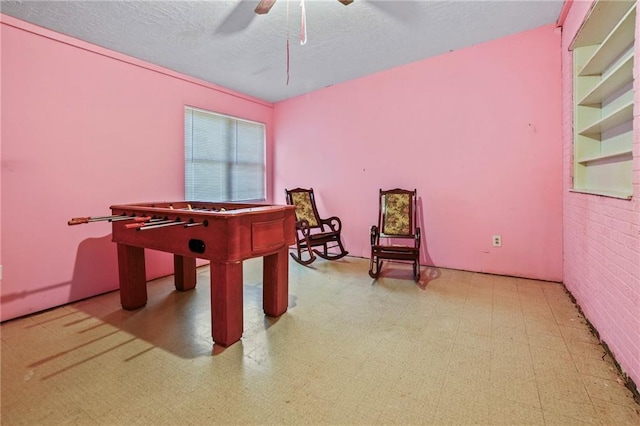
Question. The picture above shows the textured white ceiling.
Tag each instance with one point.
(226, 43)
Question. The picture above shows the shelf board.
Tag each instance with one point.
(621, 37)
(604, 193)
(614, 155)
(620, 76)
(601, 19)
(617, 117)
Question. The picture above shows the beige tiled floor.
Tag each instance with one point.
(459, 348)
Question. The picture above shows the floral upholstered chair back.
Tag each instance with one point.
(397, 215)
(304, 208)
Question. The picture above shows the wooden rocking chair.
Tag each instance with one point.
(312, 231)
(397, 219)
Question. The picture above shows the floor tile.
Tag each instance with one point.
(457, 348)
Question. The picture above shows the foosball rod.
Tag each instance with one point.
(190, 208)
(147, 221)
(196, 209)
(160, 225)
(191, 224)
(114, 218)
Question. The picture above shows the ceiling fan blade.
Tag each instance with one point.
(346, 2)
(239, 18)
(265, 6)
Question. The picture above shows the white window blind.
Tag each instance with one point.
(224, 158)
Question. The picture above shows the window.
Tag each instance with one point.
(603, 55)
(224, 158)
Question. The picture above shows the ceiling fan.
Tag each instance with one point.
(265, 5)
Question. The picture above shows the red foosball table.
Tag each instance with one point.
(225, 234)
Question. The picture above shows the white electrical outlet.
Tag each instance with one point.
(497, 240)
(0, 272)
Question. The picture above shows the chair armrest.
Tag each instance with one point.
(332, 222)
(375, 235)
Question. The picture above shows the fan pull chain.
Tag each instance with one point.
(287, 42)
(303, 24)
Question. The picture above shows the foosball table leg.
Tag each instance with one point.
(275, 288)
(133, 277)
(226, 302)
(185, 272)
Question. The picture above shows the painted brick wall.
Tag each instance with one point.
(602, 235)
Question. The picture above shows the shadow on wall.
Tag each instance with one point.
(96, 268)
(425, 257)
(428, 270)
(95, 272)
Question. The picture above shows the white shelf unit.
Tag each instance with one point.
(603, 53)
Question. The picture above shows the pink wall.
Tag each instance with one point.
(1, 104)
(476, 131)
(84, 128)
(602, 235)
